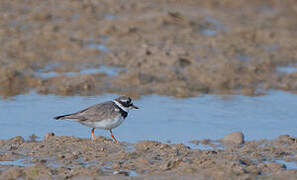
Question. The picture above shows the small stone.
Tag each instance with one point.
(14, 143)
(75, 156)
(17, 140)
(234, 138)
(76, 153)
(49, 135)
(196, 142)
(253, 169)
(125, 173)
(286, 139)
(205, 141)
(275, 166)
(171, 164)
(33, 138)
(61, 156)
(43, 161)
(164, 146)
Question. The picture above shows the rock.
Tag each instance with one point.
(124, 173)
(61, 156)
(253, 169)
(205, 141)
(196, 142)
(33, 138)
(146, 78)
(286, 139)
(275, 166)
(13, 143)
(49, 135)
(171, 164)
(76, 153)
(236, 138)
(17, 140)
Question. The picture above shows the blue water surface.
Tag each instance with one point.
(159, 118)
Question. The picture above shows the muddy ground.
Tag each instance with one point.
(75, 158)
(172, 48)
(175, 48)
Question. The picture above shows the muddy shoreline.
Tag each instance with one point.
(165, 47)
(136, 47)
(67, 157)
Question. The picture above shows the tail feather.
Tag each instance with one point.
(70, 117)
(61, 117)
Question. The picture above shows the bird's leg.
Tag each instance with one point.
(113, 136)
(93, 136)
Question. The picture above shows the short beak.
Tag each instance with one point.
(135, 107)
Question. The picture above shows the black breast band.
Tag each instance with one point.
(124, 114)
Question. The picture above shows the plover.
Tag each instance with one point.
(106, 115)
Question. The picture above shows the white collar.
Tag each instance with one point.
(126, 109)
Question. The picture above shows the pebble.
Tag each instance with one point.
(236, 138)
(125, 173)
(196, 142)
(48, 135)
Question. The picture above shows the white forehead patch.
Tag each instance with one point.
(124, 100)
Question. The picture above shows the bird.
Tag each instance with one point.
(106, 115)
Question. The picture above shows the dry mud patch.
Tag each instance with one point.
(168, 47)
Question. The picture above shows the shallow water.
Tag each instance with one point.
(108, 70)
(97, 46)
(212, 145)
(218, 27)
(289, 165)
(216, 23)
(109, 16)
(208, 32)
(159, 118)
(287, 69)
(18, 162)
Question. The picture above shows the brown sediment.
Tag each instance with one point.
(74, 158)
(168, 47)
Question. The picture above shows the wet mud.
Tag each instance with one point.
(175, 48)
(68, 157)
(137, 47)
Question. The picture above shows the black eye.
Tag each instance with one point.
(129, 100)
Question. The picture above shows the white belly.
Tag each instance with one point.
(106, 124)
